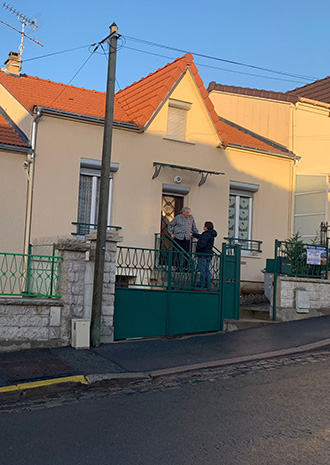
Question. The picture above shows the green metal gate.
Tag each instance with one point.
(157, 292)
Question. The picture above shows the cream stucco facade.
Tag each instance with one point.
(62, 142)
(13, 185)
(304, 127)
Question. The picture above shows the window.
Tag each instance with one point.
(240, 215)
(311, 204)
(89, 194)
(240, 212)
(177, 119)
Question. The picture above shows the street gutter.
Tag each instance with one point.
(30, 390)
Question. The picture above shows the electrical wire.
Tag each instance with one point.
(58, 53)
(128, 109)
(81, 67)
(216, 67)
(299, 78)
(210, 57)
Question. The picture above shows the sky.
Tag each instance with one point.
(286, 36)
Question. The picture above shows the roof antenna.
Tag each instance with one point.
(25, 21)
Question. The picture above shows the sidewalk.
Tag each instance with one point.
(28, 369)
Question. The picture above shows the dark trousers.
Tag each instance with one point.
(204, 270)
(181, 262)
(184, 243)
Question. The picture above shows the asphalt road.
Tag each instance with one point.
(273, 412)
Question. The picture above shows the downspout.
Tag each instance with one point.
(29, 200)
(293, 170)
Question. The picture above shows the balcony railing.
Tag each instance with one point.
(83, 229)
(246, 244)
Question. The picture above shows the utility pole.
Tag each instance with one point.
(104, 189)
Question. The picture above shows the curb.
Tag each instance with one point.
(30, 390)
(242, 359)
(33, 389)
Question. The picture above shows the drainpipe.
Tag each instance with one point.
(29, 200)
(293, 170)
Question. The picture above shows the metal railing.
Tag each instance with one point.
(163, 269)
(83, 229)
(246, 244)
(29, 275)
(163, 241)
(292, 259)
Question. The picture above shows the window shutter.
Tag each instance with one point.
(177, 123)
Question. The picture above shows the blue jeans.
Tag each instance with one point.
(204, 270)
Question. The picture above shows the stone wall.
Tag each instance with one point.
(299, 298)
(30, 323)
(109, 278)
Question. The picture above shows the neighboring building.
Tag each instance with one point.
(14, 149)
(170, 149)
(300, 120)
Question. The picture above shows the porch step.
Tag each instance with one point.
(245, 323)
(258, 311)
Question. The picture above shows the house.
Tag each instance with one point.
(300, 120)
(170, 149)
(14, 151)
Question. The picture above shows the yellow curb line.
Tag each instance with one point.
(47, 382)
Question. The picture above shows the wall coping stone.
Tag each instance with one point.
(303, 280)
(73, 245)
(110, 237)
(36, 302)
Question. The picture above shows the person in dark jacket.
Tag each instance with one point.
(204, 251)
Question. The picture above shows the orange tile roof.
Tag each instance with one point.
(135, 104)
(8, 134)
(233, 134)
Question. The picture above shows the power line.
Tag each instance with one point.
(81, 67)
(210, 57)
(216, 67)
(299, 78)
(58, 53)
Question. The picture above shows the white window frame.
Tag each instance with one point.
(237, 204)
(246, 190)
(94, 198)
(92, 168)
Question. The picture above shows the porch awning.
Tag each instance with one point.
(204, 173)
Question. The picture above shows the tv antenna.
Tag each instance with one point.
(25, 21)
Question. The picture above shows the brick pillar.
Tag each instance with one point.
(72, 282)
(108, 298)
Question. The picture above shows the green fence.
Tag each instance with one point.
(158, 293)
(139, 267)
(29, 275)
(293, 259)
(298, 259)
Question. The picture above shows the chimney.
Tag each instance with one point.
(13, 64)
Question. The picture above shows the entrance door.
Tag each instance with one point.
(171, 206)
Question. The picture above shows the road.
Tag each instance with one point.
(274, 412)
